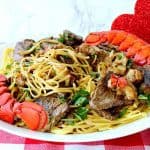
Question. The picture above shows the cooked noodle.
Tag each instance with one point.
(43, 76)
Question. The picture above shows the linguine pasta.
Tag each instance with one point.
(43, 75)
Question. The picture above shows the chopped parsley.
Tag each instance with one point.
(62, 99)
(120, 56)
(129, 63)
(81, 101)
(94, 74)
(61, 39)
(145, 97)
(81, 113)
(8, 66)
(122, 112)
(80, 93)
(69, 121)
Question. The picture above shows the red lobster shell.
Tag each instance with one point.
(130, 44)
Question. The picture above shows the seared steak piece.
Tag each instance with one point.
(21, 46)
(111, 113)
(55, 107)
(104, 98)
(71, 39)
(105, 101)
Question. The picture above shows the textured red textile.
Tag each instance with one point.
(122, 22)
(142, 7)
(139, 141)
(138, 23)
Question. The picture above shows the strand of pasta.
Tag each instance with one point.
(37, 82)
(45, 86)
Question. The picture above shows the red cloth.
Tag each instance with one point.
(139, 141)
(137, 23)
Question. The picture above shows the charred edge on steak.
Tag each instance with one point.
(54, 107)
(105, 101)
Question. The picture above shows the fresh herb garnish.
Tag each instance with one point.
(81, 101)
(145, 97)
(93, 56)
(94, 74)
(122, 112)
(8, 66)
(27, 92)
(69, 121)
(80, 93)
(81, 113)
(62, 99)
(61, 39)
(129, 63)
(28, 63)
(65, 56)
(120, 56)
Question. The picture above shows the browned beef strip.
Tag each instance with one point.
(55, 108)
(21, 46)
(71, 39)
(111, 113)
(103, 99)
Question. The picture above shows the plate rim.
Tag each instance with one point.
(118, 132)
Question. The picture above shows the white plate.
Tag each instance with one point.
(121, 131)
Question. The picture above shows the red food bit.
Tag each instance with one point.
(114, 80)
(4, 98)
(143, 54)
(34, 115)
(128, 42)
(120, 37)
(148, 60)
(92, 38)
(30, 117)
(122, 82)
(96, 38)
(3, 89)
(131, 51)
(111, 35)
(6, 112)
(2, 78)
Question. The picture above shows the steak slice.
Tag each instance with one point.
(21, 46)
(103, 99)
(54, 107)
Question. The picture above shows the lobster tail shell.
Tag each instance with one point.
(130, 44)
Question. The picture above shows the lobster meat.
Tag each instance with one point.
(33, 115)
(134, 47)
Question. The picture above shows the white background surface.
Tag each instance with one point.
(39, 18)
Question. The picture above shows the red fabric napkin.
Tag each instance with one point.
(139, 141)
